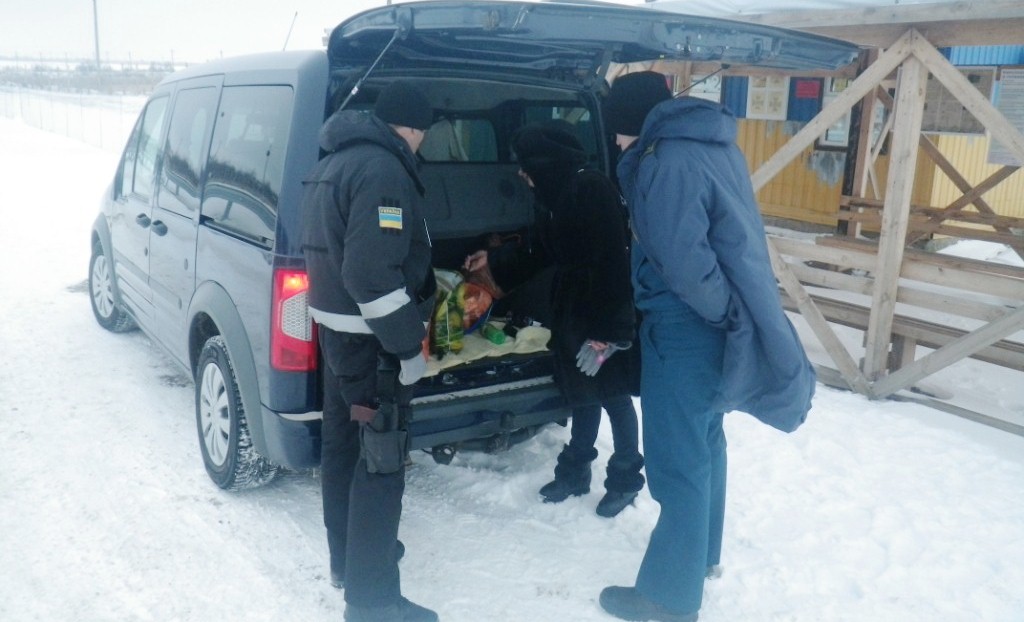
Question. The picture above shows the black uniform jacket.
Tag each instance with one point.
(364, 236)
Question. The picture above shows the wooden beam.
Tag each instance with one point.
(861, 86)
(864, 163)
(941, 34)
(909, 115)
(944, 24)
(835, 348)
(948, 354)
(960, 13)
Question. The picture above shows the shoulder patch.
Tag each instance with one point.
(389, 217)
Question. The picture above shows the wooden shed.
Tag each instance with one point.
(890, 183)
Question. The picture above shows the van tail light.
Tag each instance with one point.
(292, 332)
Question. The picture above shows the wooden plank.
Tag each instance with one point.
(861, 256)
(1009, 354)
(961, 13)
(887, 62)
(946, 262)
(941, 34)
(948, 354)
(832, 279)
(909, 114)
(950, 303)
(835, 348)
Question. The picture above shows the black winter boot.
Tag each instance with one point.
(572, 475)
(404, 610)
(623, 483)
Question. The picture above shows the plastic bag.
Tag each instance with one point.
(446, 330)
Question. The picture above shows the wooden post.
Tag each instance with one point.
(896, 212)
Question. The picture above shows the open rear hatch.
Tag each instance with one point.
(567, 40)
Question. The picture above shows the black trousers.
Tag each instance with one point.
(361, 509)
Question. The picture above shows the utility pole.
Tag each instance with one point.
(96, 32)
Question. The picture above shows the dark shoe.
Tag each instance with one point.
(402, 611)
(614, 502)
(627, 603)
(338, 576)
(572, 475)
(559, 490)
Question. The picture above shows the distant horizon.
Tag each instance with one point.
(151, 31)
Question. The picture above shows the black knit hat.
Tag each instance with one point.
(401, 103)
(631, 99)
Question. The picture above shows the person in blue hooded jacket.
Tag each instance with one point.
(714, 337)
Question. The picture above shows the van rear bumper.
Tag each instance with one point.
(293, 441)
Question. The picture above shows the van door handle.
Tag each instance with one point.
(159, 227)
(142, 220)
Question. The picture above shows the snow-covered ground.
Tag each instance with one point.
(871, 511)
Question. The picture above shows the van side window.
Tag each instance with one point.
(246, 163)
(187, 137)
(138, 165)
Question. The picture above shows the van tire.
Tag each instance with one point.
(105, 308)
(230, 459)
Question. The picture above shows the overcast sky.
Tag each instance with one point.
(187, 30)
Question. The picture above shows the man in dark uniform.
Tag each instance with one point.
(371, 290)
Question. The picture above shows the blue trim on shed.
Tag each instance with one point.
(975, 55)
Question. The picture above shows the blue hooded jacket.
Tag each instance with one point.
(701, 243)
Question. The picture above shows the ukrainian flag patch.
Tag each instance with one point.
(389, 217)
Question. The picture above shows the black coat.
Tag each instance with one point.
(582, 232)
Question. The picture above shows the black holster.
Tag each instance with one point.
(384, 440)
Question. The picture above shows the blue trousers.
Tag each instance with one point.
(684, 445)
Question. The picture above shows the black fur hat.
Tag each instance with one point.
(631, 99)
(550, 154)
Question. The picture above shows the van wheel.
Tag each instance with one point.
(105, 308)
(231, 461)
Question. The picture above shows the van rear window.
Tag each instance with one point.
(246, 164)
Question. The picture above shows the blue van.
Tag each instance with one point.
(197, 240)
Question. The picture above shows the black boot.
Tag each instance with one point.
(404, 610)
(572, 475)
(623, 483)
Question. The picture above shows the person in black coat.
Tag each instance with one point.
(371, 287)
(581, 236)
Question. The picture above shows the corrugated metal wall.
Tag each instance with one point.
(985, 55)
(969, 154)
(810, 188)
